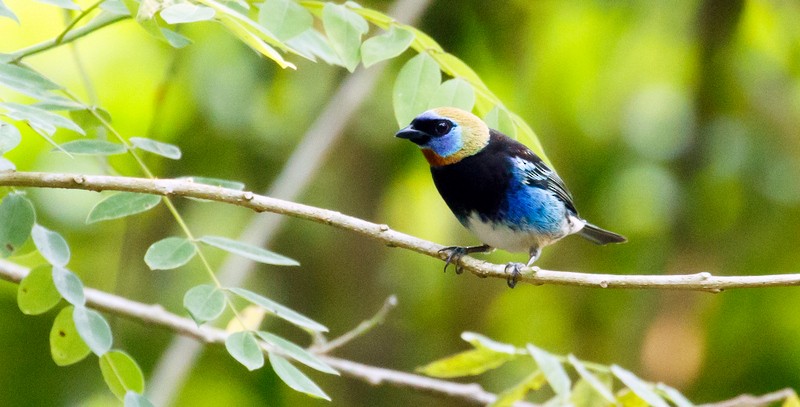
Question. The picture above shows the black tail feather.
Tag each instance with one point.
(596, 235)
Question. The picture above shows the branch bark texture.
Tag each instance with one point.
(383, 233)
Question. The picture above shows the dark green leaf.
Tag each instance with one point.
(6, 12)
(66, 345)
(121, 373)
(204, 303)
(296, 352)
(244, 348)
(136, 400)
(553, 370)
(16, 221)
(93, 147)
(641, 388)
(344, 29)
(93, 329)
(9, 137)
(415, 86)
(169, 253)
(284, 18)
(36, 293)
(51, 245)
(279, 310)
(294, 378)
(157, 147)
(41, 120)
(249, 251)
(454, 93)
(385, 46)
(69, 286)
(186, 13)
(122, 204)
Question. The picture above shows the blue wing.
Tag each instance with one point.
(538, 175)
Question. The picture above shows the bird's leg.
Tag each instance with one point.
(457, 252)
(513, 269)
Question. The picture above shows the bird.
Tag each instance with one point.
(497, 188)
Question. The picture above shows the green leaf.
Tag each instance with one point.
(294, 378)
(69, 286)
(169, 253)
(25, 80)
(156, 147)
(66, 345)
(67, 4)
(468, 363)
(585, 395)
(121, 373)
(16, 221)
(216, 182)
(592, 380)
(508, 397)
(385, 46)
(498, 119)
(93, 329)
(51, 245)
(6, 165)
(641, 388)
(279, 310)
(296, 352)
(551, 367)
(9, 137)
(415, 86)
(791, 401)
(187, 13)
(204, 303)
(249, 251)
(6, 12)
(479, 341)
(175, 39)
(122, 204)
(627, 398)
(93, 147)
(456, 93)
(137, 400)
(312, 44)
(254, 41)
(244, 348)
(678, 398)
(36, 293)
(344, 29)
(41, 120)
(115, 7)
(284, 18)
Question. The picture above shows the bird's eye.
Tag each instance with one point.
(442, 127)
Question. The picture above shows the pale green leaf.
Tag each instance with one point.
(157, 147)
(51, 245)
(508, 397)
(498, 119)
(296, 352)
(414, 87)
(313, 44)
(93, 147)
(249, 251)
(9, 137)
(294, 378)
(121, 373)
(222, 183)
(169, 253)
(204, 303)
(480, 341)
(344, 29)
(69, 286)
(553, 370)
(244, 348)
(66, 345)
(585, 395)
(36, 293)
(641, 388)
(93, 329)
(40, 119)
(122, 204)
(175, 39)
(6, 165)
(186, 13)
(592, 380)
(25, 80)
(136, 400)
(677, 398)
(468, 363)
(115, 7)
(16, 222)
(627, 398)
(6, 12)
(66, 4)
(385, 46)
(284, 18)
(454, 93)
(254, 41)
(279, 310)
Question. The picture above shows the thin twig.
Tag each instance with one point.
(361, 329)
(173, 187)
(749, 400)
(94, 25)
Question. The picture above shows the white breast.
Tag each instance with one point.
(503, 237)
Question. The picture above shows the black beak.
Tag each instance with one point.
(416, 136)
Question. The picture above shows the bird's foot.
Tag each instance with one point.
(513, 272)
(455, 253)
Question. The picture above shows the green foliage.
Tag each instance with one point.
(244, 348)
(156, 147)
(36, 293)
(51, 245)
(122, 204)
(204, 303)
(69, 286)
(66, 345)
(121, 373)
(93, 329)
(296, 352)
(17, 216)
(169, 253)
(279, 310)
(293, 377)
(249, 251)
(92, 147)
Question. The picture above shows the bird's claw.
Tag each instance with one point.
(513, 272)
(454, 255)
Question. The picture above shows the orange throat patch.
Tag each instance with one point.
(435, 160)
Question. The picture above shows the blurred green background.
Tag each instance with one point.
(676, 125)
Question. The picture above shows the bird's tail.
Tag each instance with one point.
(596, 235)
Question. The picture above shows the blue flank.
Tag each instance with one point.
(529, 208)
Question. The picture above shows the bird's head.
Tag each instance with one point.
(447, 135)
